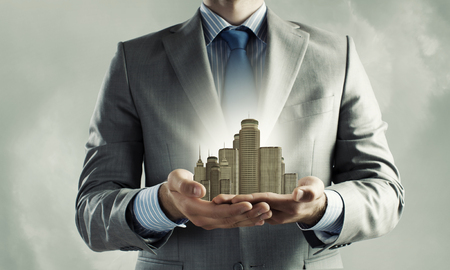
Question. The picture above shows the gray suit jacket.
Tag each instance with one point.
(158, 103)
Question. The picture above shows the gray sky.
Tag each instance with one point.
(54, 55)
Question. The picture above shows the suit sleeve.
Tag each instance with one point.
(364, 173)
(112, 169)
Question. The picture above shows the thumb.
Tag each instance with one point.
(298, 194)
(308, 189)
(180, 181)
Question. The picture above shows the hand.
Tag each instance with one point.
(180, 197)
(306, 204)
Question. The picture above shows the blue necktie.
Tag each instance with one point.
(239, 98)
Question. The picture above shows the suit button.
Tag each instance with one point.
(238, 266)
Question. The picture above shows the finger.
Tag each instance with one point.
(298, 194)
(305, 194)
(256, 221)
(308, 189)
(257, 210)
(181, 181)
(223, 198)
(251, 218)
(262, 197)
(282, 202)
(197, 207)
(251, 198)
(280, 217)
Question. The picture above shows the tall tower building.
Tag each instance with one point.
(215, 181)
(283, 171)
(270, 169)
(225, 186)
(225, 176)
(211, 161)
(290, 182)
(207, 186)
(249, 157)
(199, 170)
(236, 141)
(229, 168)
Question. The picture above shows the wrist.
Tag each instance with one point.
(168, 205)
(318, 213)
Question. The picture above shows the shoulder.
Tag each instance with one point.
(321, 36)
(323, 39)
(152, 45)
(319, 41)
(150, 41)
(149, 48)
(325, 44)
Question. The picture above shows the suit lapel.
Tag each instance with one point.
(286, 47)
(187, 53)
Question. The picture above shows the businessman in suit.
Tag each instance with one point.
(163, 95)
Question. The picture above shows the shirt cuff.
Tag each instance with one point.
(332, 220)
(148, 215)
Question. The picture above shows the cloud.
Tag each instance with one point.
(429, 45)
(45, 188)
(399, 52)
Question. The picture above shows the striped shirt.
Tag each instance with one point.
(149, 219)
(330, 225)
(218, 50)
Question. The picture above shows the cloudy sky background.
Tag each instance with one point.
(54, 55)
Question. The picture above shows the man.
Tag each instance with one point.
(164, 94)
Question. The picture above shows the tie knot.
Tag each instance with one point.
(236, 39)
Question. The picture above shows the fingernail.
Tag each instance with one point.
(299, 195)
(196, 191)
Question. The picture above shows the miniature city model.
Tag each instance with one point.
(246, 168)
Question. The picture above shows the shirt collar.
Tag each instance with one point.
(213, 24)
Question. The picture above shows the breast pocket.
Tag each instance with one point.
(306, 109)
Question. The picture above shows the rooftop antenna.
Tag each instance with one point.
(224, 159)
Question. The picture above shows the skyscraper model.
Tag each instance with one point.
(246, 168)
(249, 157)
